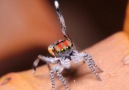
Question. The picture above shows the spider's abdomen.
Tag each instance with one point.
(61, 48)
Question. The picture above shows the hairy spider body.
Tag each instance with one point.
(63, 52)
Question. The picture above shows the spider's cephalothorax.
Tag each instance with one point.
(63, 52)
(61, 48)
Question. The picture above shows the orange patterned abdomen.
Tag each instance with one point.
(60, 47)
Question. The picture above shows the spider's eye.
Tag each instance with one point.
(62, 50)
(50, 49)
(57, 51)
(68, 47)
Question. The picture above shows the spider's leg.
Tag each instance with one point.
(63, 80)
(35, 64)
(88, 59)
(62, 21)
(95, 73)
(58, 69)
(96, 66)
(45, 59)
(93, 63)
(52, 79)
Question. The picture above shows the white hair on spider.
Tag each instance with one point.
(63, 52)
(56, 4)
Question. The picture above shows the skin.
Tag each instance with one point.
(23, 28)
(108, 54)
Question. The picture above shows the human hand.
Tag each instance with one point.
(108, 54)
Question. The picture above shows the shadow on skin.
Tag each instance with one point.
(21, 61)
(73, 74)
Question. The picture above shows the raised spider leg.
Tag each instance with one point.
(45, 59)
(62, 21)
(90, 62)
(58, 69)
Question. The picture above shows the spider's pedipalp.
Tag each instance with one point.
(76, 57)
(65, 62)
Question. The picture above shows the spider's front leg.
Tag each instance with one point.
(45, 59)
(58, 69)
(91, 64)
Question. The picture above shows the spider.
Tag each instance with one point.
(63, 51)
